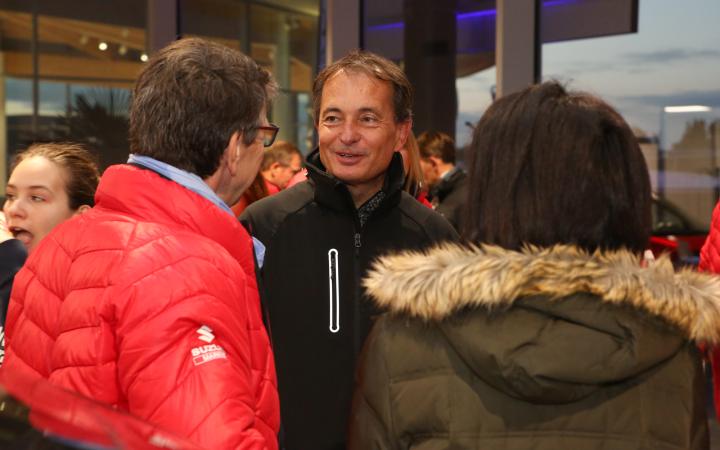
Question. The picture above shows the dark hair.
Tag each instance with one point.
(280, 152)
(556, 167)
(80, 168)
(189, 100)
(370, 64)
(437, 144)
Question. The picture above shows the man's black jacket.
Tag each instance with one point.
(316, 255)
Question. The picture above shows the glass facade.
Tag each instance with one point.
(67, 68)
(283, 40)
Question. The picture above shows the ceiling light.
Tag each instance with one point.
(103, 46)
(687, 109)
(143, 57)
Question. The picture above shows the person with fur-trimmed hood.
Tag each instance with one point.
(545, 331)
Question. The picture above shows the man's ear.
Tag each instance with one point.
(82, 210)
(231, 155)
(403, 133)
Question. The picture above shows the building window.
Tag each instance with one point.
(665, 81)
(67, 68)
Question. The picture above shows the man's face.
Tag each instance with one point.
(357, 130)
(430, 171)
(282, 173)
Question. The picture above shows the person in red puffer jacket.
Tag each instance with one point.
(149, 302)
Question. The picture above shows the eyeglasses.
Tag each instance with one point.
(268, 134)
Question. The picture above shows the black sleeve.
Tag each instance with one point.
(12, 257)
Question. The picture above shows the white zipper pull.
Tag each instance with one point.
(334, 279)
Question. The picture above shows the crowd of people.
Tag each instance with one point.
(371, 295)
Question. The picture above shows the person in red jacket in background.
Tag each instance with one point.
(710, 262)
(149, 302)
(281, 162)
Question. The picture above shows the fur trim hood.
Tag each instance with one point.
(435, 284)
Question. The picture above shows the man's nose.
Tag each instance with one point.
(350, 133)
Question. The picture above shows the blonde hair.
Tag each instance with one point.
(414, 178)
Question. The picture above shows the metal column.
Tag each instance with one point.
(518, 45)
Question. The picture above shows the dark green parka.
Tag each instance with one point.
(550, 349)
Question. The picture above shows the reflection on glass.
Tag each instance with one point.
(671, 61)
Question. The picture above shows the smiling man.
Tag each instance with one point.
(322, 235)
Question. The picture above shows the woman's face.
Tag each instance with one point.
(36, 200)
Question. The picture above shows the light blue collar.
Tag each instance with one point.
(181, 177)
(195, 184)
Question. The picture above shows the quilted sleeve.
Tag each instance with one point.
(710, 262)
(710, 252)
(185, 354)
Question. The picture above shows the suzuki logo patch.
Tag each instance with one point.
(207, 353)
(206, 334)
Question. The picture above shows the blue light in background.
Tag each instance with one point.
(469, 15)
(474, 14)
(388, 26)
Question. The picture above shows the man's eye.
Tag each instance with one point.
(369, 119)
(37, 198)
(9, 197)
(331, 119)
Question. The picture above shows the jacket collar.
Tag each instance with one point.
(434, 285)
(182, 177)
(333, 193)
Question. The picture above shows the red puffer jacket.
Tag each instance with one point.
(710, 253)
(148, 302)
(710, 262)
